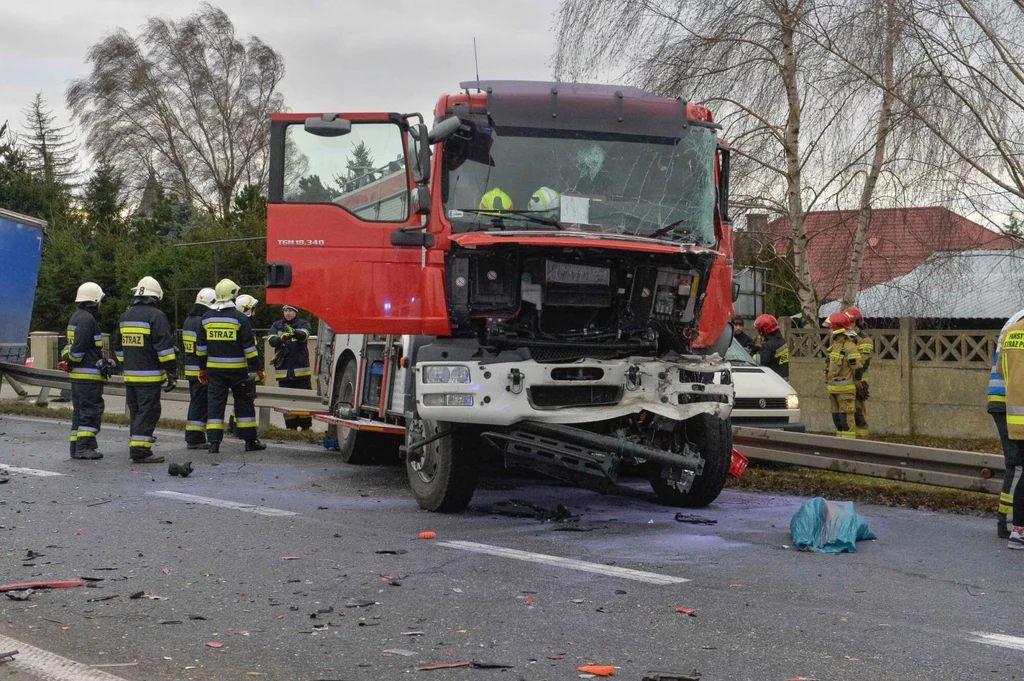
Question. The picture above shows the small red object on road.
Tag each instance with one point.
(738, 464)
(597, 670)
(428, 535)
(214, 644)
(42, 585)
(692, 612)
(289, 558)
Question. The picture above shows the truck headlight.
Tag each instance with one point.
(446, 374)
(792, 401)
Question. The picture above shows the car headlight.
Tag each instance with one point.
(792, 401)
(446, 374)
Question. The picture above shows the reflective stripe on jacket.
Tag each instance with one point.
(144, 344)
(85, 345)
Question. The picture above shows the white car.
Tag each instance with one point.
(763, 398)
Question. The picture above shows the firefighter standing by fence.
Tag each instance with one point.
(1011, 452)
(842, 373)
(774, 352)
(195, 425)
(288, 337)
(1010, 368)
(866, 346)
(144, 345)
(225, 365)
(246, 304)
(83, 359)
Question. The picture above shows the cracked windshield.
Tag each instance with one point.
(552, 179)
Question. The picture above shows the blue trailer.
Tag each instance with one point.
(21, 247)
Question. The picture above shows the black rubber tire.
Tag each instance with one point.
(712, 437)
(455, 468)
(354, 447)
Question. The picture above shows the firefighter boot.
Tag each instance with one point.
(214, 448)
(254, 446)
(1002, 530)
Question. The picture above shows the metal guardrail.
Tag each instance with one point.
(267, 398)
(939, 467)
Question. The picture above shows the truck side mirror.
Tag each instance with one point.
(421, 140)
(420, 200)
(328, 125)
(444, 130)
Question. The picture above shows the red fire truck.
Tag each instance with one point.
(546, 273)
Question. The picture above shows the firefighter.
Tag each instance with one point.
(230, 355)
(195, 425)
(774, 352)
(291, 359)
(867, 348)
(88, 370)
(1010, 368)
(1011, 452)
(144, 345)
(246, 304)
(843, 370)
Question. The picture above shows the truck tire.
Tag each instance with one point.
(444, 476)
(354, 447)
(712, 437)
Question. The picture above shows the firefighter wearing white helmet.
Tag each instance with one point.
(195, 424)
(545, 201)
(246, 304)
(144, 344)
(227, 360)
(83, 359)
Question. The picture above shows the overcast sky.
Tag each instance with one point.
(340, 55)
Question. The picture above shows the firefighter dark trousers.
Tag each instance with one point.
(1014, 469)
(860, 416)
(301, 383)
(842, 407)
(143, 414)
(87, 414)
(195, 426)
(238, 384)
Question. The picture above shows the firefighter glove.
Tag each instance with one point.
(204, 377)
(63, 366)
(260, 377)
(172, 383)
(106, 367)
(862, 391)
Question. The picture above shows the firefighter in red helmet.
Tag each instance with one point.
(774, 352)
(866, 346)
(844, 370)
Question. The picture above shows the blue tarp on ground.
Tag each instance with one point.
(829, 526)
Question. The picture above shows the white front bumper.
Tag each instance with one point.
(499, 400)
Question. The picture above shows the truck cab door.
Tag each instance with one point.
(339, 187)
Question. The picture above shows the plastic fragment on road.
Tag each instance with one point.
(70, 584)
(289, 557)
(828, 526)
(694, 519)
(428, 535)
(671, 676)
(400, 651)
(449, 665)
(597, 670)
(214, 644)
(692, 612)
(737, 464)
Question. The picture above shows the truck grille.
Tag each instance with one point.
(560, 396)
(755, 403)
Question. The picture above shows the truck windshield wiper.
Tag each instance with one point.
(671, 227)
(528, 215)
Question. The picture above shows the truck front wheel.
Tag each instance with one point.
(442, 474)
(712, 438)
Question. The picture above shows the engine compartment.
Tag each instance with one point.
(561, 303)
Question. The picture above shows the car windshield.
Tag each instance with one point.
(737, 355)
(525, 178)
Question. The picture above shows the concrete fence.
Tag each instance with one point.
(921, 382)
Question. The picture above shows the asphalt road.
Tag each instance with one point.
(292, 583)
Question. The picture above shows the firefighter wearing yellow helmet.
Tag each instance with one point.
(226, 349)
(495, 202)
(144, 345)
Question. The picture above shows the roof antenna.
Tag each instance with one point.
(476, 61)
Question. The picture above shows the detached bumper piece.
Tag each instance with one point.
(585, 458)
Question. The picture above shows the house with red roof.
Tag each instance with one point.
(899, 240)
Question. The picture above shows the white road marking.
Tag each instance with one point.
(1001, 640)
(555, 561)
(49, 666)
(221, 503)
(29, 471)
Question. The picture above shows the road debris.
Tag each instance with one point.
(184, 470)
(391, 552)
(428, 535)
(214, 644)
(148, 595)
(671, 676)
(359, 604)
(70, 584)
(101, 598)
(694, 519)
(687, 611)
(9, 655)
(597, 670)
(290, 557)
(20, 595)
(401, 651)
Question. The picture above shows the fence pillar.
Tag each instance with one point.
(906, 368)
(44, 350)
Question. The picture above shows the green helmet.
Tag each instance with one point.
(495, 202)
(226, 290)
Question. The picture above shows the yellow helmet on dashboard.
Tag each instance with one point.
(495, 202)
